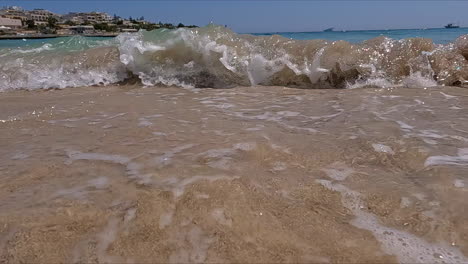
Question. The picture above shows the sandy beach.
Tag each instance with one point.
(250, 174)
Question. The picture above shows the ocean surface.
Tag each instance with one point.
(438, 35)
(257, 174)
(214, 56)
(333, 147)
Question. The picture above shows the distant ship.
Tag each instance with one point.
(451, 25)
(329, 29)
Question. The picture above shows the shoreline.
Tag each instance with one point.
(248, 174)
(49, 36)
(345, 30)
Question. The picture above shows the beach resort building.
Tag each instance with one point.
(73, 17)
(128, 30)
(98, 17)
(81, 30)
(14, 12)
(9, 23)
(92, 18)
(41, 16)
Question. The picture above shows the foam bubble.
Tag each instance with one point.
(248, 146)
(338, 171)
(219, 215)
(407, 247)
(20, 156)
(382, 148)
(459, 183)
(214, 56)
(460, 160)
(100, 182)
(165, 219)
(166, 158)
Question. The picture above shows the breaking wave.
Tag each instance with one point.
(214, 56)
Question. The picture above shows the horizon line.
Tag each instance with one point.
(342, 31)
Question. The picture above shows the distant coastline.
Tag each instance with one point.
(342, 31)
(18, 23)
(50, 36)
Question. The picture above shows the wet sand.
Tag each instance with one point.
(249, 174)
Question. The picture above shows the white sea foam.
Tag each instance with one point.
(406, 247)
(76, 155)
(220, 216)
(218, 158)
(405, 202)
(214, 56)
(132, 168)
(404, 125)
(178, 185)
(459, 183)
(105, 239)
(166, 158)
(279, 166)
(165, 219)
(159, 133)
(416, 80)
(248, 146)
(20, 156)
(100, 182)
(383, 148)
(338, 171)
(448, 96)
(192, 246)
(144, 123)
(460, 160)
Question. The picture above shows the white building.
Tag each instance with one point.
(98, 17)
(92, 17)
(10, 23)
(73, 17)
(14, 12)
(128, 30)
(41, 15)
(82, 29)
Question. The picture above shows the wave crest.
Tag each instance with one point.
(216, 57)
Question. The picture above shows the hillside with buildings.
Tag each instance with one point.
(15, 20)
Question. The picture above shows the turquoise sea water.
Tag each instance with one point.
(438, 35)
(71, 42)
(214, 56)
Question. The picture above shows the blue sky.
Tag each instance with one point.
(274, 16)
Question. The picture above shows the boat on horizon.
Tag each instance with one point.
(329, 30)
(451, 25)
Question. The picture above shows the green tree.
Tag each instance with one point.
(70, 23)
(101, 26)
(150, 26)
(52, 22)
(30, 23)
(168, 25)
(45, 30)
(180, 25)
(111, 29)
(105, 27)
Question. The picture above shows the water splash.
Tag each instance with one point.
(214, 56)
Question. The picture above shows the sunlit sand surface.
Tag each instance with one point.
(248, 174)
